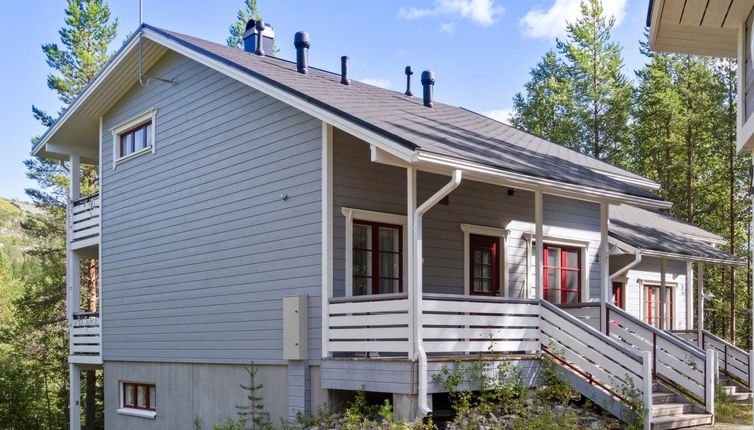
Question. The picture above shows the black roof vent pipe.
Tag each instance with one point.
(301, 42)
(344, 71)
(428, 81)
(259, 27)
(409, 72)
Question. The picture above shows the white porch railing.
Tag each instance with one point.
(733, 361)
(369, 325)
(453, 325)
(602, 361)
(676, 363)
(85, 336)
(83, 221)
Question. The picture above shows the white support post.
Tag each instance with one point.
(411, 249)
(689, 296)
(663, 294)
(700, 304)
(75, 177)
(710, 380)
(540, 247)
(327, 231)
(75, 397)
(604, 264)
(647, 380)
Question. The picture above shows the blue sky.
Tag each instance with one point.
(481, 50)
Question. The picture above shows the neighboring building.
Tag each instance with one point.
(342, 236)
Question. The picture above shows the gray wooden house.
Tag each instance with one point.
(342, 236)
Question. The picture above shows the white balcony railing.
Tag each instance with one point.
(86, 338)
(83, 221)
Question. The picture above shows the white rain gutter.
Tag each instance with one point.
(424, 408)
(626, 268)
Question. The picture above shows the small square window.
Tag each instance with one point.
(135, 139)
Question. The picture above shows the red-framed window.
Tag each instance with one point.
(652, 303)
(485, 265)
(562, 274)
(139, 396)
(619, 295)
(377, 258)
(136, 139)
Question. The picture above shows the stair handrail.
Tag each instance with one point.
(675, 340)
(593, 331)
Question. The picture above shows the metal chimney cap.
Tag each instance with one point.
(301, 39)
(259, 25)
(428, 77)
(250, 24)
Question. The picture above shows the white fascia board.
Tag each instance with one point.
(284, 96)
(101, 77)
(531, 183)
(646, 184)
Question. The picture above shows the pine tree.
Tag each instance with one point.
(602, 94)
(88, 31)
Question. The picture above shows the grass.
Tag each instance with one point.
(730, 412)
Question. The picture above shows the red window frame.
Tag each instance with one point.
(650, 301)
(563, 272)
(134, 387)
(619, 293)
(485, 243)
(141, 128)
(375, 255)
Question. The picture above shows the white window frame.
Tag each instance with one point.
(150, 115)
(141, 413)
(586, 266)
(672, 286)
(502, 234)
(372, 216)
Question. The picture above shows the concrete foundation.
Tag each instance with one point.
(406, 406)
(208, 393)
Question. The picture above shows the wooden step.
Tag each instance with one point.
(740, 397)
(681, 421)
(667, 409)
(661, 398)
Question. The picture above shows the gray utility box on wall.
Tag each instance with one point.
(295, 331)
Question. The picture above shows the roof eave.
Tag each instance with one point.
(533, 183)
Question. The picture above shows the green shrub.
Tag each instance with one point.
(553, 388)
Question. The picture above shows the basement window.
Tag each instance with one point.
(134, 137)
(138, 399)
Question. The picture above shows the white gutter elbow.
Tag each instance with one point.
(627, 267)
(423, 406)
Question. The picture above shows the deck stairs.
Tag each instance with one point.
(735, 365)
(658, 364)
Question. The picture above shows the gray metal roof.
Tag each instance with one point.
(442, 130)
(657, 231)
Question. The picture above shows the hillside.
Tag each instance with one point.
(13, 243)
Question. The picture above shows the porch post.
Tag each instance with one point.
(540, 247)
(74, 396)
(327, 231)
(604, 264)
(410, 252)
(689, 296)
(663, 294)
(73, 274)
(700, 304)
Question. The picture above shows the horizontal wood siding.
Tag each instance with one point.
(198, 247)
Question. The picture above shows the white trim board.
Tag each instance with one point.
(371, 216)
(142, 118)
(500, 233)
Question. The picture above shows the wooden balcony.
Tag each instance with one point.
(84, 222)
(85, 338)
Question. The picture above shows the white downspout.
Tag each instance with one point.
(417, 271)
(626, 268)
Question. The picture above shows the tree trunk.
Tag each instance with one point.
(91, 399)
(732, 216)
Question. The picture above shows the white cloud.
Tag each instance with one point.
(551, 23)
(502, 115)
(448, 28)
(482, 12)
(377, 82)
